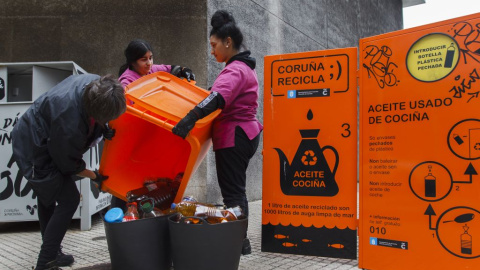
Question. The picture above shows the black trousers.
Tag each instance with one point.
(117, 202)
(231, 164)
(55, 218)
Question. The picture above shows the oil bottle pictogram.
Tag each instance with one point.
(449, 58)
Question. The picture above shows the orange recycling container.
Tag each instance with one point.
(144, 146)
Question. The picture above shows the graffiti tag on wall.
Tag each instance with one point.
(380, 66)
(468, 38)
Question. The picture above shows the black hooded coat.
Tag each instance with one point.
(50, 138)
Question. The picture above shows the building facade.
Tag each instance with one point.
(94, 34)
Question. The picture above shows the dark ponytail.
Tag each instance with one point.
(224, 26)
(122, 69)
(135, 50)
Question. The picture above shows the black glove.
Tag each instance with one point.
(183, 72)
(183, 127)
(188, 74)
(99, 178)
(108, 133)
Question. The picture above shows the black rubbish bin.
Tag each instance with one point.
(139, 244)
(206, 246)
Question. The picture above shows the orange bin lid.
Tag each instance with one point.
(167, 96)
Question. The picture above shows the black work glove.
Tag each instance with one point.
(188, 74)
(108, 133)
(183, 127)
(183, 72)
(99, 178)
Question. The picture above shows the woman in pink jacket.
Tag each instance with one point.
(139, 56)
(236, 131)
(139, 62)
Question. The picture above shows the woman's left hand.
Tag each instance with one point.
(183, 127)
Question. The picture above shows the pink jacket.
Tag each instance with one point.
(238, 85)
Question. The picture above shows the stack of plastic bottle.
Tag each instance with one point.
(147, 210)
(193, 211)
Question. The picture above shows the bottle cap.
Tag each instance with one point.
(173, 206)
(147, 207)
(189, 199)
(114, 215)
(131, 203)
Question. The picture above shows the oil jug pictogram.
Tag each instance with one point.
(309, 174)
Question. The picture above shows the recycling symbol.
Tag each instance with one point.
(477, 146)
(309, 158)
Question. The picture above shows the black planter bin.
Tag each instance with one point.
(140, 244)
(206, 246)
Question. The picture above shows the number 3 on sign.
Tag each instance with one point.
(347, 132)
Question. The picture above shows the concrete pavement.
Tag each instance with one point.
(20, 243)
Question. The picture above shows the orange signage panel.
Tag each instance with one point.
(309, 154)
(420, 147)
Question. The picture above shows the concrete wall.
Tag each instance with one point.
(94, 34)
(280, 26)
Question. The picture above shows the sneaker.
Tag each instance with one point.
(63, 259)
(246, 247)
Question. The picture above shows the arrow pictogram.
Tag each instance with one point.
(430, 212)
(469, 171)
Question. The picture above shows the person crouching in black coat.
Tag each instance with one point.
(48, 143)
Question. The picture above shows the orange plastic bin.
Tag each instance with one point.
(144, 145)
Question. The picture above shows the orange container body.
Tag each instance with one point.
(144, 146)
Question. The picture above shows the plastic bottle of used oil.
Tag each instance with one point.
(211, 214)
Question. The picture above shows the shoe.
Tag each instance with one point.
(50, 266)
(246, 247)
(63, 259)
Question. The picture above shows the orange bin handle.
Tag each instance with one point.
(149, 118)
